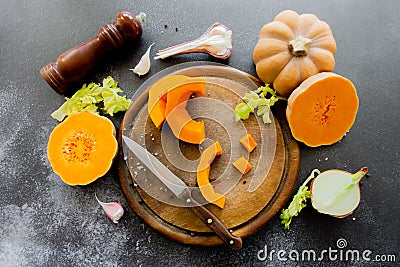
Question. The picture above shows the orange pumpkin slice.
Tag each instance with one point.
(158, 96)
(82, 147)
(177, 116)
(203, 171)
(322, 109)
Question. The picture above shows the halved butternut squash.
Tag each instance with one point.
(82, 147)
(203, 171)
(322, 109)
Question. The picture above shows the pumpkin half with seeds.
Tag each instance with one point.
(322, 109)
(82, 147)
(292, 48)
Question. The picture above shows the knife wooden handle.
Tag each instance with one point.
(212, 221)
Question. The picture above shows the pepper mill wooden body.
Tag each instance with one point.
(76, 63)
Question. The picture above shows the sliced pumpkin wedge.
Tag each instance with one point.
(158, 95)
(203, 171)
(177, 116)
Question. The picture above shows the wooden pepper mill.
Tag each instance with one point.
(76, 63)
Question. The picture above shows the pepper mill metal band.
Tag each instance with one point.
(76, 63)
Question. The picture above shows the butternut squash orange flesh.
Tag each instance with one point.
(177, 116)
(248, 142)
(158, 96)
(203, 171)
(82, 148)
(322, 109)
(242, 165)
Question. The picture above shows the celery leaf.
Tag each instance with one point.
(91, 96)
(259, 101)
(298, 202)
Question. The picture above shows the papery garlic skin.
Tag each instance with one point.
(217, 42)
(113, 210)
(143, 67)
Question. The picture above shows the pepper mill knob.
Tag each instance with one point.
(76, 63)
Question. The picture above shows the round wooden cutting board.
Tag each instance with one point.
(251, 199)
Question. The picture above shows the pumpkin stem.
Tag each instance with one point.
(299, 46)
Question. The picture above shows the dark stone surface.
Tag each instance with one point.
(44, 222)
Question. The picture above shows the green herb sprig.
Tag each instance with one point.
(298, 202)
(259, 101)
(89, 97)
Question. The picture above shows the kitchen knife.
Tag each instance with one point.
(183, 192)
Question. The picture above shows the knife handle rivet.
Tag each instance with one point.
(209, 221)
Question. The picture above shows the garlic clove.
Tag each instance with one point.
(113, 210)
(143, 66)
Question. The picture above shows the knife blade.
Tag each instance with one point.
(183, 192)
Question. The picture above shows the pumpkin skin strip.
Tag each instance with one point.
(322, 109)
(81, 149)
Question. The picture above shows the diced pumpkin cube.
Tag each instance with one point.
(242, 165)
(248, 142)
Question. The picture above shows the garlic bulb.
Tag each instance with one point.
(216, 41)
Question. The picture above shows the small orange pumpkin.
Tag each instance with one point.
(292, 48)
(82, 147)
